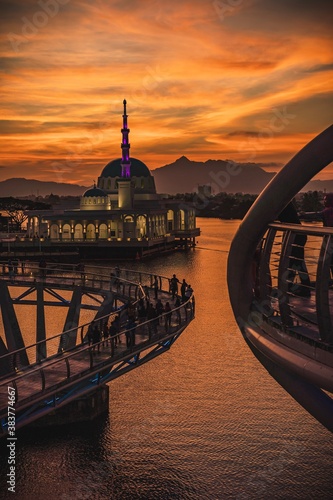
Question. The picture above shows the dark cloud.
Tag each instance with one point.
(31, 127)
(176, 146)
(17, 14)
(18, 126)
(293, 16)
(320, 68)
(243, 133)
(175, 112)
(36, 110)
(312, 114)
(8, 64)
(303, 115)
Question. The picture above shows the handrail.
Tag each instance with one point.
(302, 228)
(35, 267)
(41, 368)
(275, 197)
(116, 284)
(17, 352)
(293, 264)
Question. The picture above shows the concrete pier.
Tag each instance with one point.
(83, 409)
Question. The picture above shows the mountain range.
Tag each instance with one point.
(181, 176)
(24, 187)
(184, 176)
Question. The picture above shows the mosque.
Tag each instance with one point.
(122, 215)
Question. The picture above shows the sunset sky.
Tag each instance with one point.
(247, 80)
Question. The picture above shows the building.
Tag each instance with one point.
(205, 191)
(122, 215)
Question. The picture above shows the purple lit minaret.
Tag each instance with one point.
(125, 147)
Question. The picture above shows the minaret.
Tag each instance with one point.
(125, 184)
(125, 147)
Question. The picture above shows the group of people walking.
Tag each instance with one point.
(141, 317)
(98, 336)
(185, 289)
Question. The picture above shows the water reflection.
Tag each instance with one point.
(202, 421)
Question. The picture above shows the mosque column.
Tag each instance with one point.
(163, 226)
(39, 220)
(149, 228)
(186, 219)
(35, 226)
(136, 228)
(120, 227)
(29, 227)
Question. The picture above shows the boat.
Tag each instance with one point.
(286, 320)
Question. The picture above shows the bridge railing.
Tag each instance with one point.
(53, 374)
(121, 284)
(124, 281)
(292, 279)
(123, 289)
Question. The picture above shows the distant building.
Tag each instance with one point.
(205, 190)
(123, 211)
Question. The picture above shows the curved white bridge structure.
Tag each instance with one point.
(280, 285)
(57, 370)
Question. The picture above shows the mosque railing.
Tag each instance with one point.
(292, 281)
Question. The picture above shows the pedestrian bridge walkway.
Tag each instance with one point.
(56, 370)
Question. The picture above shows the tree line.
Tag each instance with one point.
(235, 206)
(222, 205)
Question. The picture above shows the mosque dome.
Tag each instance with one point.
(138, 169)
(94, 191)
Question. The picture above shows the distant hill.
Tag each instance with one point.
(24, 187)
(184, 176)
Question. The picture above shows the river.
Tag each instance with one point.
(202, 421)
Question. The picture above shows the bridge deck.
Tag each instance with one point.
(40, 386)
(55, 370)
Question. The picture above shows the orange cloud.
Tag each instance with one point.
(194, 78)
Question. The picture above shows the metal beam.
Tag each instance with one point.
(106, 307)
(322, 290)
(40, 320)
(68, 341)
(11, 326)
(278, 193)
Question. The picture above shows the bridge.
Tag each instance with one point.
(280, 284)
(56, 370)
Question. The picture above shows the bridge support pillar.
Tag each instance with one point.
(41, 332)
(107, 307)
(82, 409)
(72, 321)
(11, 326)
